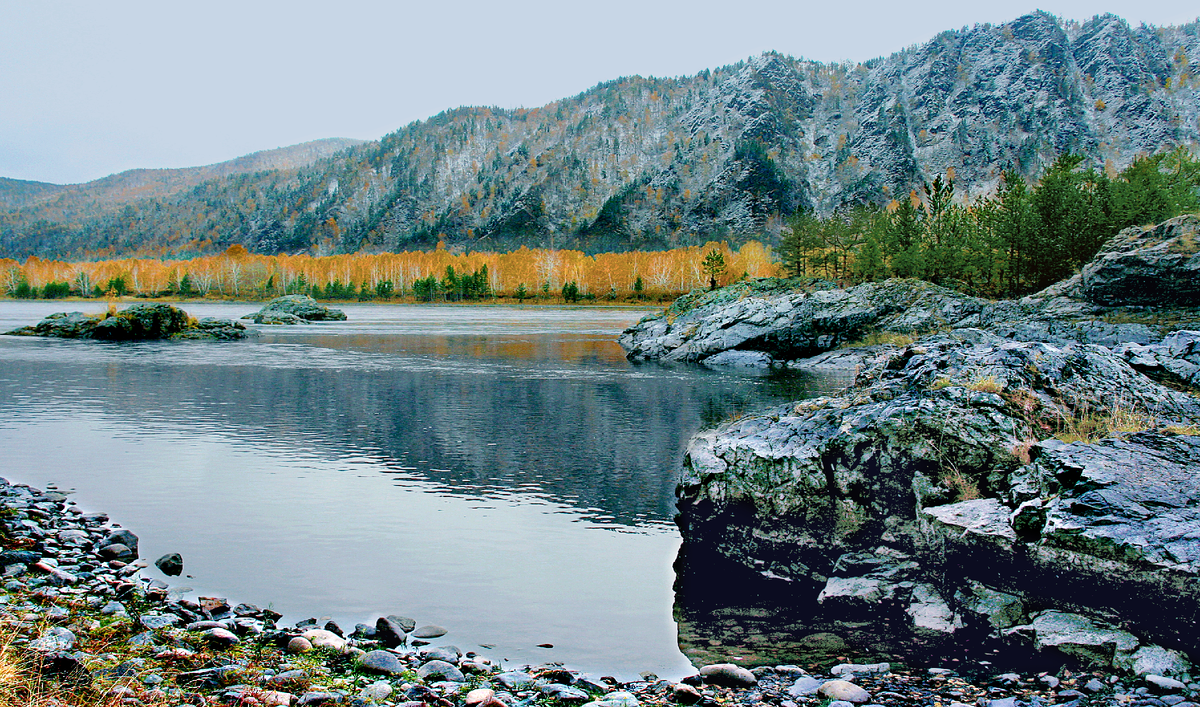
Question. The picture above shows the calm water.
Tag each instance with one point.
(503, 472)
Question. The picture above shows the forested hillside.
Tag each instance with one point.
(728, 154)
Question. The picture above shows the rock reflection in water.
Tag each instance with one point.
(726, 613)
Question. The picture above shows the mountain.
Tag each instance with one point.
(55, 202)
(651, 162)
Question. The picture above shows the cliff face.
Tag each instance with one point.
(723, 154)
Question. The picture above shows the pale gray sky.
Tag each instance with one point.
(88, 89)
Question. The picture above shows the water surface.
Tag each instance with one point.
(501, 471)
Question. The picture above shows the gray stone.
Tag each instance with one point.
(447, 653)
(320, 638)
(155, 622)
(290, 308)
(384, 662)
(119, 552)
(120, 537)
(852, 669)
(440, 670)
(113, 608)
(844, 690)
(728, 675)
(391, 632)
(740, 359)
(515, 680)
(1104, 510)
(1162, 683)
(564, 693)
(317, 698)
(1155, 660)
(805, 686)
(685, 694)
(375, 692)
(1081, 637)
(1001, 609)
(73, 538)
(54, 639)
(170, 564)
(430, 631)
(930, 612)
(620, 698)
(221, 638)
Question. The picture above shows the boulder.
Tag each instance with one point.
(384, 662)
(1093, 642)
(844, 690)
(728, 675)
(1147, 265)
(788, 319)
(142, 321)
(170, 564)
(436, 670)
(294, 309)
(120, 537)
(214, 329)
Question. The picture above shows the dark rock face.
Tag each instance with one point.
(1133, 500)
(213, 328)
(295, 309)
(1147, 266)
(920, 495)
(139, 322)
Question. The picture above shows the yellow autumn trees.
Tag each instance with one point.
(238, 274)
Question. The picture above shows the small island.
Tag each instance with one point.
(140, 322)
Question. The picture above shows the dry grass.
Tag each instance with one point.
(1088, 425)
(987, 384)
(1021, 451)
(962, 487)
(1185, 430)
(877, 338)
(24, 684)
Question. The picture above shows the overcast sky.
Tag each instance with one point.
(92, 88)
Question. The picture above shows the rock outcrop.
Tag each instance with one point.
(1008, 479)
(295, 309)
(1148, 266)
(139, 322)
(1143, 282)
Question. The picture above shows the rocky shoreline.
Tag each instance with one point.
(76, 613)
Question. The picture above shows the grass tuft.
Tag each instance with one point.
(987, 384)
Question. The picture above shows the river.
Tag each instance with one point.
(503, 472)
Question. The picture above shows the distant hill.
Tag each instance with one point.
(88, 200)
(654, 163)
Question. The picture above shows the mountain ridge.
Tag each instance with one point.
(15, 193)
(726, 154)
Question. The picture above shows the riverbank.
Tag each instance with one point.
(80, 625)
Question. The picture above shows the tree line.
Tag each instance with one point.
(1020, 239)
(422, 276)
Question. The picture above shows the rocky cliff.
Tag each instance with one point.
(652, 162)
